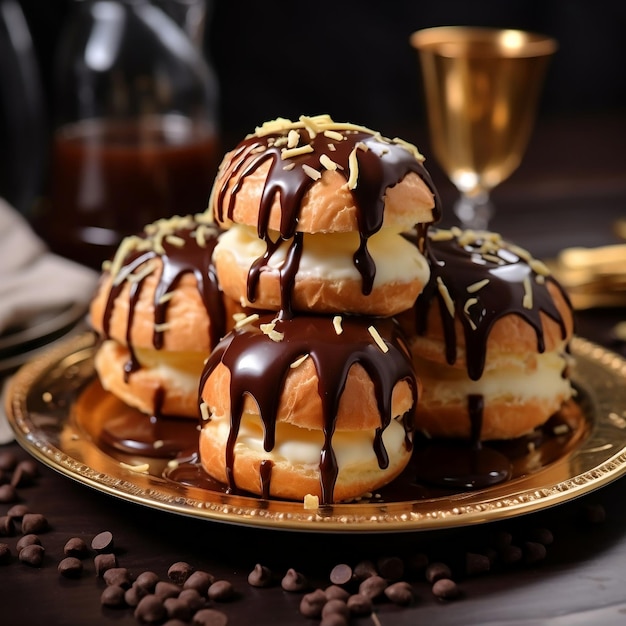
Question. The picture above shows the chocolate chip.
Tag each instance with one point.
(179, 572)
(34, 523)
(75, 547)
(373, 587)
(400, 593)
(17, 511)
(147, 580)
(70, 567)
(364, 569)
(164, 589)
(28, 466)
(312, 603)
(5, 554)
(200, 581)
(7, 494)
(533, 552)
(175, 622)
(360, 605)
(335, 592)
(594, 513)
(260, 576)
(417, 562)
(104, 562)
(8, 460)
(334, 619)
(336, 606)
(177, 609)
(192, 598)
(27, 540)
(150, 609)
(24, 474)
(221, 591)
(294, 581)
(445, 589)
(391, 567)
(113, 597)
(341, 574)
(542, 535)
(209, 617)
(32, 555)
(476, 563)
(134, 593)
(103, 542)
(509, 555)
(117, 576)
(7, 526)
(436, 571)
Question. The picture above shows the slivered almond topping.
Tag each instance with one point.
(293, 138)
(359, 145)
(331, 147)
(175, 240)
(299, 361)
(333, 134)
(409, 147)
(494, 259)
(378, 339)
(205, 414)
(539, 267)
(441, 235)
(527, 300)
(560, 429)
(237, 317)
(166, 297)
(268, 329)
(288, 153)
(247, 320)
(337, 324)
(173, 463)
(353, 166)
(161, 328)
(540, 279)
(474, 287)
(141, 272)
(142, 468)
(289, 167)
(311, 172)
(445, 294)
(311, 501)
(521, 252)
(328, 163)
(159, 443)
(469, 303)
(311, 124)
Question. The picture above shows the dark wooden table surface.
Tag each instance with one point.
(568, 191)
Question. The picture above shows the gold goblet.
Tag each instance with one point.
(481, 87)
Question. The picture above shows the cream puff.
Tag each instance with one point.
(489, 338)
(314, 212)
(308, 405)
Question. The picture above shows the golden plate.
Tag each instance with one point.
(43, 393)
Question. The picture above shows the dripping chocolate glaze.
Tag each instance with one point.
(177, 260)
(382, 164)
(259, 365)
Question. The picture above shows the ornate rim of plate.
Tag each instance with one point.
(45, 430)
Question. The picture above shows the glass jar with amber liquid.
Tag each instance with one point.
(136, 133)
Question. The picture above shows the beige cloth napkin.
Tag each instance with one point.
(33, 281)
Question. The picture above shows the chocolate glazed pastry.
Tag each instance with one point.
(490, 332)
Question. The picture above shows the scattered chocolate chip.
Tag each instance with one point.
(446, 589)
(294, 581)
(5, 554)
(192, 598)
(260, 576)
(164, 589)
(373, 587)
(8, 460)
(335, 592)
(417, 562)
(359, 605)
(118, 576)
(179, 572)
(533, 552)
(200, 581)
(542, 535)
(150, 609)
(28, 466)
(334, 619)
(104, 562)
(75, 547)
(175, 622)
(113, 597)
(476, 563)
(221, 591)
(27, 540)
(147, 580)
(364, 569)
(34, 523)
(32, 555)
(594, 513)
(70, 567)
(391, 567)
(341, 574)
(210, 617)
(400, 593)
(7, 526)
(177, 609)
(134, 593)
(103, 542)
(509, 555)
(437, 570)
(7, 494)
(502, 538)
(23, 475)
(17, 511)
(312, 603)
(336, 606)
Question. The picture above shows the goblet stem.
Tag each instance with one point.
(474, 211)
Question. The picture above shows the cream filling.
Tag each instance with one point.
(302, 447)
(330, 255)
(183, 367)
(545, 381)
